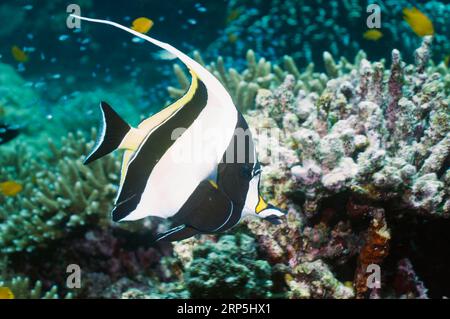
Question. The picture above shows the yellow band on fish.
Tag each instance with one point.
(261, 205)
(213, 184)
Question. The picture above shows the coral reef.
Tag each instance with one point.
(298, 252)
(371, 149)
(59, 195)
(23, 289)
(257, 74)
(374, 251)
(378, 141)
(357, 152)
(228, 268)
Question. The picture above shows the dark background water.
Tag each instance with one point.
(63, 61)
(98, 54)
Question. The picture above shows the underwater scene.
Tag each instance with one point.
(226, 149)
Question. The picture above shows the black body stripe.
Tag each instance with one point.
(154, 148)
(233, 177)
(207, 209)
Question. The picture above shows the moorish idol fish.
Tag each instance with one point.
(210, 195)
(8, 132)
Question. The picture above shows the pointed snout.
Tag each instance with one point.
(272, 214)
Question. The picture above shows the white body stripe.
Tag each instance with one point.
(171, 181)
(174, 179)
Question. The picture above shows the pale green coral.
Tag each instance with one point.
(60, 194)
(261, 74)
(22, 288)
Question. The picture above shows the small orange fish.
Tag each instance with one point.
(10, 188)
(142, 25)
(18, 54)
(6, 293)
(419, 22)
(373, 35)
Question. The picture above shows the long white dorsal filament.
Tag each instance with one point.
(210, 80)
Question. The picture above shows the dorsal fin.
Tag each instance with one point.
(152, 122)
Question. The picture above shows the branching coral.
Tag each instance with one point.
(60, 194)
(23, 289)
(258, 74)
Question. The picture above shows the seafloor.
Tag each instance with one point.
(364, 146)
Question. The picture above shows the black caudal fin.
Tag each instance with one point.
(112, 131)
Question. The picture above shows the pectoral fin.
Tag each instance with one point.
(207, 210)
